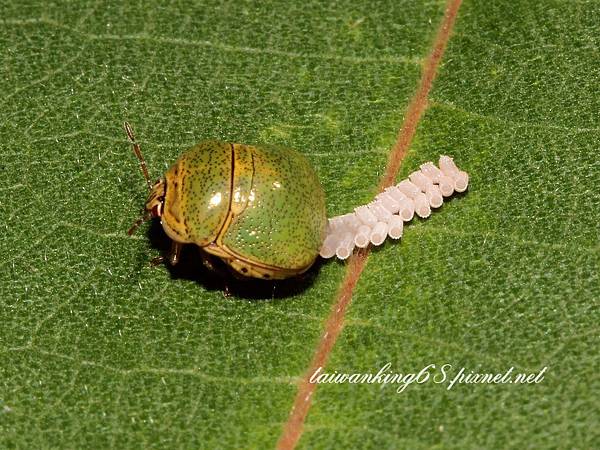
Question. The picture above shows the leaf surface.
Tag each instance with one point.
(100, 350)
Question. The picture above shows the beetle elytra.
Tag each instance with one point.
(260, 209)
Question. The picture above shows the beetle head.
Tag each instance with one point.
(154, 205)
(156, 199)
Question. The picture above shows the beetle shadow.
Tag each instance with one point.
(190, 267)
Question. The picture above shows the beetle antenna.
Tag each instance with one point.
(138, 153)
(138, 222)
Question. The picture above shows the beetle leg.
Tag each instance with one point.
(212, 264)
(175, 252)
(209, 265)
(157, 261)
(174, 255)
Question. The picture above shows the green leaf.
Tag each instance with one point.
(508, 274)
(98, 350)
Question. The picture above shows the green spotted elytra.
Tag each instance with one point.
(260, 209)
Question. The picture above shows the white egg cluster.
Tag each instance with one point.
(385, 216)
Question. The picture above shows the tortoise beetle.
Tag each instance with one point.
(260, 209)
